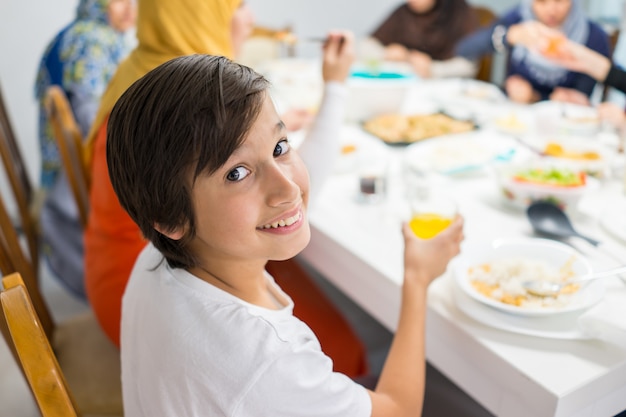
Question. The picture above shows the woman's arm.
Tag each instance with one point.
(321, 147)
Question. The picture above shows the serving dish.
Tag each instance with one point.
(461, 153)
(580, 153)
(521, 184)
(510, 261)
(401, 129)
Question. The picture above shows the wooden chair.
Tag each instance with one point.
(27, 199)
(485, 18)
(34, 353)
(70, 142)
(90, 362)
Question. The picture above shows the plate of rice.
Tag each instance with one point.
(493, 273)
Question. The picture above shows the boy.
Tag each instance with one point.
(200, 160)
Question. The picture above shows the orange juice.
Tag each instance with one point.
(427, 225)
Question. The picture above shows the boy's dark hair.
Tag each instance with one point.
(180, 120)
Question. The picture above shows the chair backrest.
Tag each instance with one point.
(35, 355)
(13, 259)
(485, 18)
(70, 142)
(9, 137)
(21, 186)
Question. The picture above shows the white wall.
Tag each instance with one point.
(26, 26)
(25, 29)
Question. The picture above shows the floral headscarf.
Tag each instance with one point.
(81, 59)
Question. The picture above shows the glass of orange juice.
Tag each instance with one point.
(430, 214)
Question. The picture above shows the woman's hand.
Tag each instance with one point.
(532, 34)
(569, 95)
(396, 52)
(338, 55)
(579, 58)
(612, 114)
(519, 90)
(421, 63)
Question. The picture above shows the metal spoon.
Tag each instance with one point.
(550, 220)
(550, 289)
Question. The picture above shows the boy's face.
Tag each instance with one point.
(263, 183)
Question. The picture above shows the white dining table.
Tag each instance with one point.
(358, 247)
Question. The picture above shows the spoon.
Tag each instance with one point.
(550, 220)
(549, 289)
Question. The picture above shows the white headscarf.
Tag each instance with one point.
(575, 28)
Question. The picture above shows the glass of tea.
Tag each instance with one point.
(372, 176)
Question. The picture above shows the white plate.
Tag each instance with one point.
(480, 90)
(561, 326)
(551, 252)
(459, 153)
(567, 118)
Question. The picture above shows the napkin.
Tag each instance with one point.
(606, 320)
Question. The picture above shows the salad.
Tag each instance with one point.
(559, 177)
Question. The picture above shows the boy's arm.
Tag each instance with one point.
(400, 389)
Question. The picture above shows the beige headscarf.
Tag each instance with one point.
(167, 29)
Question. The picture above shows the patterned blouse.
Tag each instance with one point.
(81, 59)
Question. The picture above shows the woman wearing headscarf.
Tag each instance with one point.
(424, 33)
(527, 31)
(81, 59)
(167, 29)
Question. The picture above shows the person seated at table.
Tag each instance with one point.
(523, 31)
(113, 241)
(424, 34)
(580, 58)
(81, 59)
(209, 176)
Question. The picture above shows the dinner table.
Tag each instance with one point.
(513, 365)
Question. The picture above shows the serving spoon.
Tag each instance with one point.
(550, 220)
(550, 289)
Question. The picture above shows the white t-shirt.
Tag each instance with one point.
(191, 349)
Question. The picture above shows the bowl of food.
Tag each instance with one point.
(522, 184)
(494, 273)
(579, 153)
(376, 90)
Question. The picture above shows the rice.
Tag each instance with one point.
(502, 280)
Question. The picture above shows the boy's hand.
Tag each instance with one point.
(425, 260)
(338, 56)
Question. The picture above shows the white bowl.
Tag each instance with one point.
(375, 92)
(521, 194)
(549, 252)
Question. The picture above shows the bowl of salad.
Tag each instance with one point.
(521, 185)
